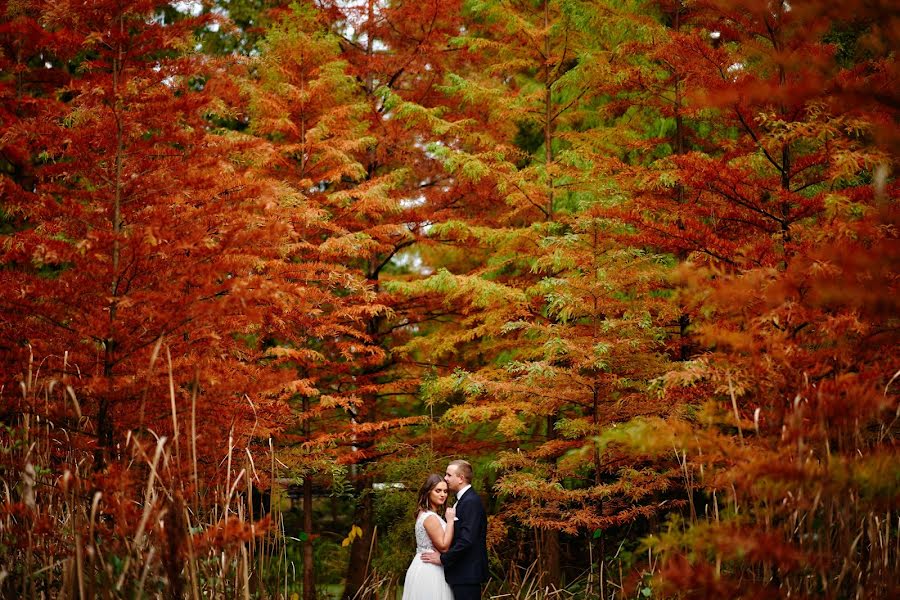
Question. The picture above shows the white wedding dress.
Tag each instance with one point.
(425, 581)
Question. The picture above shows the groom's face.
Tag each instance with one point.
(454, 481)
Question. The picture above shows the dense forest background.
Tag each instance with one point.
(264, 266)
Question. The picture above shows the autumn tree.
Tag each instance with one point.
(785, 217)
(140, 246)
(566, 323)
(331, 78)
(308, 110)
(792, 443)
(648, 86)
(757, 75)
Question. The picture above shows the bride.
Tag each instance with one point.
(426, 581)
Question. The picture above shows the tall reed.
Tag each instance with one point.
(146, 524)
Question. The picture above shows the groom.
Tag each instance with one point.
(465, 562)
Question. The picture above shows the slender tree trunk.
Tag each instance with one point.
(549, 549)
(361, 548)
(785, 148)
(549, 538)
(309, 583)
(684, 319)
(551, 574)
(309, 580)
(105, 427)
(548, 117)
(601, 550)
(684, 342)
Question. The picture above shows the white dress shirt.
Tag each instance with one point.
(459, 495)
(462, 491)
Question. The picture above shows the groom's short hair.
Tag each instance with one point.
(463, 469)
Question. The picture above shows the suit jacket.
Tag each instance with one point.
(466, 562)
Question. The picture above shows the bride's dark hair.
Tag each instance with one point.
(423, 504)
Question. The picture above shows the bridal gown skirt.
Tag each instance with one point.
(425, 581)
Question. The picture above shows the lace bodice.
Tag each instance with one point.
(423, 542)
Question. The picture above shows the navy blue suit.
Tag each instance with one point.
(465, 562)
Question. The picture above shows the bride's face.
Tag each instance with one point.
(438, 494)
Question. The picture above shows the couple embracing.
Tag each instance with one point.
(451, 552)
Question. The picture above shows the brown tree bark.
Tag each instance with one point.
(548, 554)
(309, 582)
(361, 548)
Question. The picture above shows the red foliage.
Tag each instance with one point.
(140, 247)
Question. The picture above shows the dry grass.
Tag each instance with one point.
(146, 525)
(526, 584)
(812, 518)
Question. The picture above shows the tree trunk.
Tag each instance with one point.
(105, 429)
(549, 560)
(309, 583)
(548, 117)
(601, 550)
(360, 549)
(548, 552)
